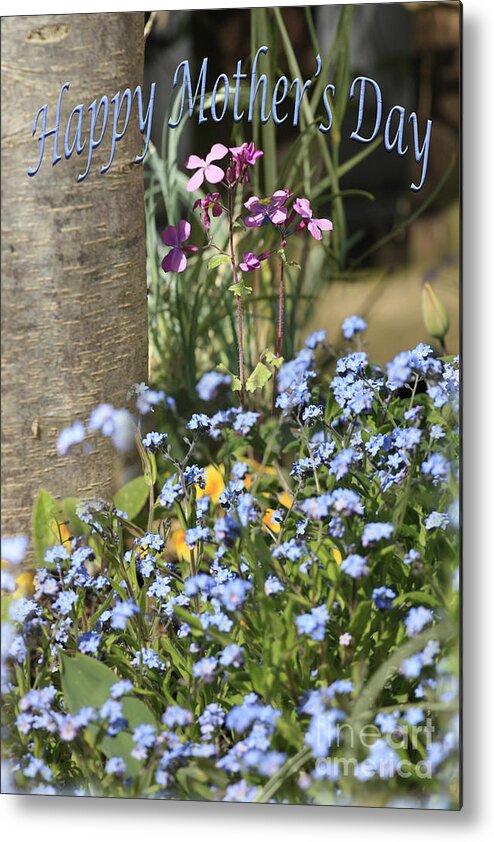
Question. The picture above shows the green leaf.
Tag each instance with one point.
(331, 409)
(217, 260)
(197, 627)
(272, 359)
(45, 511)
(148, 462)
(153, 467)
(240, 289)
(416, 596)
(223, 369)
(87, 683)
(132, 496)
(258, 378)
(236, 384)
(231, 446)
(360, 618)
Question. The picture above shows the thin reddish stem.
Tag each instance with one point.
(240, 324)
(279, 338)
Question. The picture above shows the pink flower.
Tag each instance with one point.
(243, 156)
(250, 262)
(212, 200)
(175, 260)
(272, 208)
(205, 168)
(315, 226)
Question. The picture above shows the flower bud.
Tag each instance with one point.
(434, 313)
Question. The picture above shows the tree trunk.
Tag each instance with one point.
(74, 310)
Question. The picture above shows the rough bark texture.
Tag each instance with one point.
(74, 323)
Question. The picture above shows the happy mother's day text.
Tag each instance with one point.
(282, 101)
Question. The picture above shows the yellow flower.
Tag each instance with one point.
(61, 535)
(285, 499)
(215, 483)
(257, 468)
(177, 545)
(337, 556)
(24, 582)
(25, 586)
(268, 520)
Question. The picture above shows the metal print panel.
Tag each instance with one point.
(230, 405)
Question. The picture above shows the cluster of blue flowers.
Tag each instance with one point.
(248, 642)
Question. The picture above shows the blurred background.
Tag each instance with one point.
(392, 239)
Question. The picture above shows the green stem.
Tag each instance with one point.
(286, 771)
(151, 506)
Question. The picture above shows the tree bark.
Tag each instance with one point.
(74, 307)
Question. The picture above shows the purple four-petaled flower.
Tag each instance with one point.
(175, 260)
(272, 208)
(250, 262)
(314, 226)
